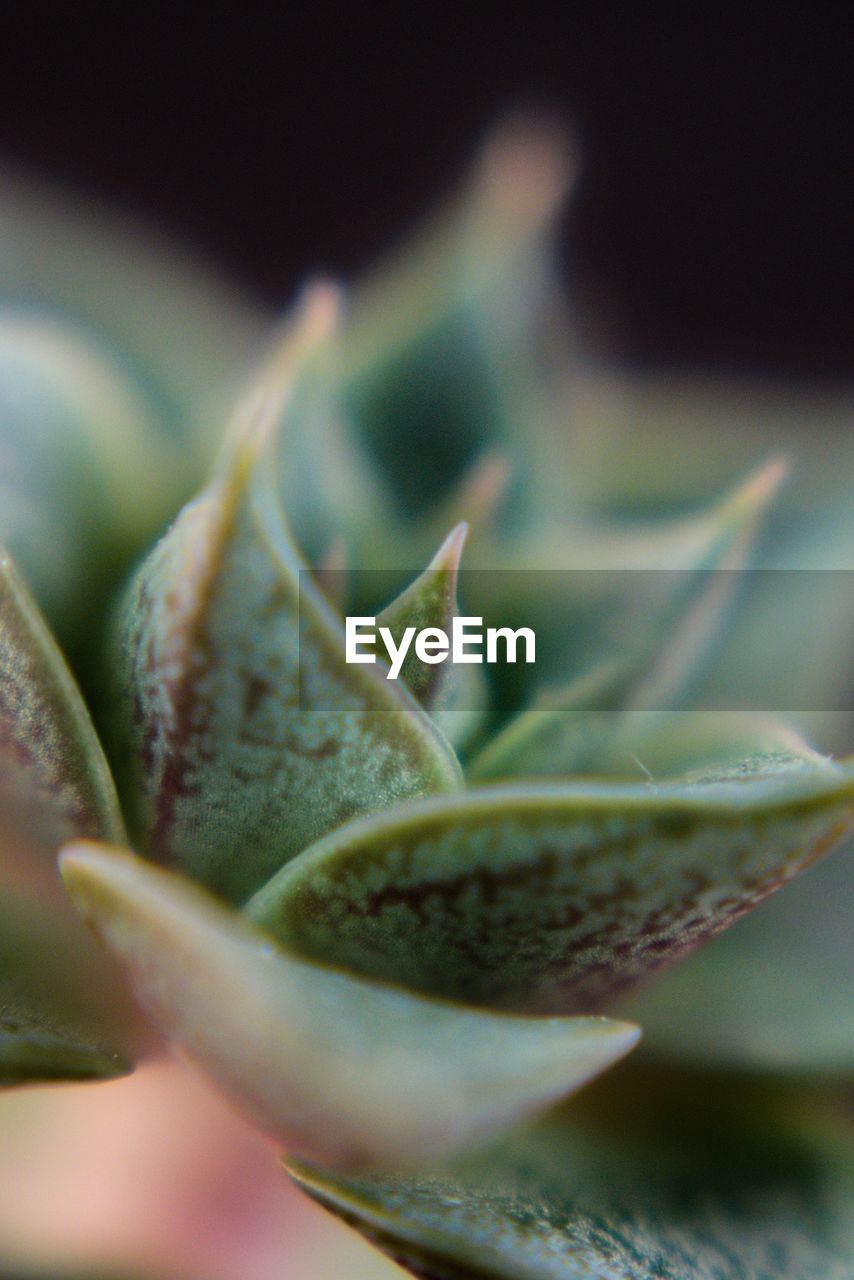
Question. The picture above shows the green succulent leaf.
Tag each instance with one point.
(335, 496)
(84, 482)
(442, 352)
(551, 897)
(60, 1016)
(430, 601)
(772, 994)
(655, 599)
(249, 735)
(54, 780)
(62, 1013)
(641, 447)
(347, 1071)
(30, 1055)
(187, 331)
(455, 696)
(644, 1176)
(560, 737)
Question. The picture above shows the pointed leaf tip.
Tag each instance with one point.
(761, 485)
(527, 169)
(429, 601)
(31, 1055)
(346, 1071)
(479, 493)
(237, 700)
(299, 339)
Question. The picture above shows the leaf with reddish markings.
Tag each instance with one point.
(248, 735)
(772, 994)
(552, 897)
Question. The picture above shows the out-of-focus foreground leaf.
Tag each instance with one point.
(657, 1175)
(347, 1071)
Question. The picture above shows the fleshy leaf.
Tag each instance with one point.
(28, 1055)
(772, 994)
(62, 1010)
(430, 601)
(664, 1176)
(560, 737)
(654, 600)
(354, 1073)
(85, 480)
(249, 735)
(551, 897)
(54, 781)
(645, 436)
(717, 536)
(454, 695)
(330, 486)
(442, 354)
(187, 330)
(60, 1017)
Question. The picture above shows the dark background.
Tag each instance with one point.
(711, 225)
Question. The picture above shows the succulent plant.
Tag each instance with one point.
(400, 921)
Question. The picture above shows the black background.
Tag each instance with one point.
(711, 224)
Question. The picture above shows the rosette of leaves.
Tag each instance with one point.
(393, 920)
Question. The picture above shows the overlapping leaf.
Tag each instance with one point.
(455, 695)
(644, 1176)
(54, 783)
(430, 601)
(249, 735)
(58, 1010)
(61, 1005)
(653, 598)
(348, 1071)
(83, 477)
(641, 442)
(186, 330)
(560, 737)
(671, 623)
(443, 352)
(551, 897)
(772, 994)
